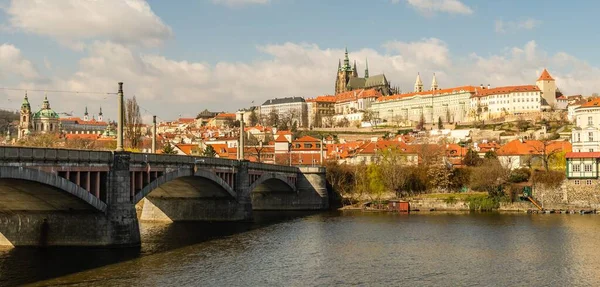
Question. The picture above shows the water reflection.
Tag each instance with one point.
(339, 249)
(27, 265)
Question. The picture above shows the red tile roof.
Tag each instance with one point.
(592, 103)
(281, 139)
(583, 155)
(506, 89)
(224, 115)
(322, 99)
(470, 89)
(82, 122)
(187, 148)
(82, 136)
(516, 147)
(545, 76)
(357, 94)
(186, 120)
(306, 139)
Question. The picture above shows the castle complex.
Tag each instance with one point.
(348, 79)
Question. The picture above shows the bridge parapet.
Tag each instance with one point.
(53, 155)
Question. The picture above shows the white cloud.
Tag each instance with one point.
(238, 3)
(12, 63)
(433, 6)
(511, 26)
(168, 87)
(72, 22)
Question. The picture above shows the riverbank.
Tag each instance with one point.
(464, 201)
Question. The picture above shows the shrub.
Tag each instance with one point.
(549, 179)
(451, 200)
(519, 175)
(483, 203)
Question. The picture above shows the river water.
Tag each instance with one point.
(333, 249)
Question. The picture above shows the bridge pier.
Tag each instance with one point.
(310, 193)
(123, 228)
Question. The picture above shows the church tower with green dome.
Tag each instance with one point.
(25, 118)
(45, 120)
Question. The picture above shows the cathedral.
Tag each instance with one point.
(348, 79)
(45, 120)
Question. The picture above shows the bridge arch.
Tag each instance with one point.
(52, 180)
(273, 181)
(183, 173)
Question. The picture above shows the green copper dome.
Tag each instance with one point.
(45, 114)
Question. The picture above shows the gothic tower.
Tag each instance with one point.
(25, 118)
(418, 84)
(100, 115)
(86, 115)
(343, 76)
(366, 69)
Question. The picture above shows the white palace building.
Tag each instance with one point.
(466, 103)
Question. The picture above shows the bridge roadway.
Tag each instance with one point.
(66, 197)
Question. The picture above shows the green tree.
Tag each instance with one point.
(472, 158)
(490, 154)
(169, 149)
(394, 175)
(440, 125)
(294, 127)
(209, 151)
(376, 186)
(252, 119)
(421, 123)
(273, 118)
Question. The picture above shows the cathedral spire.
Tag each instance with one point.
(346, 60)
(100, 115)
(355, 65)
(339, 64)
(85, 115)
(366, 69)
(434, 84)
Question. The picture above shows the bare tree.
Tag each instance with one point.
(133, 122)
(392, 169)
(546, 150)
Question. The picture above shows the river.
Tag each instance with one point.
(333, 249)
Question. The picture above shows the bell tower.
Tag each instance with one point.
(24, 118)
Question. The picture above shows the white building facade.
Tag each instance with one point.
(294, 107)
(585, 136)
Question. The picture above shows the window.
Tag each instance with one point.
(587, 167)
(590, 121)
(578, 137)
(577, 167)
(591, 150)
(591, 136)
(577, 181)
(307, 145)
(588, 182)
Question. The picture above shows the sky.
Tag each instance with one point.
(181, 57)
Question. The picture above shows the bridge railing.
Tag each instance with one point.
(180, 159)
(32, 154)
(272, 167)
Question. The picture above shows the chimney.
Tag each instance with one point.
(481, 86)
(489, 87)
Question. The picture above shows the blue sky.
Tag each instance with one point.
(179, 57)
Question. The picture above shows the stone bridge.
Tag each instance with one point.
(95, 198)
